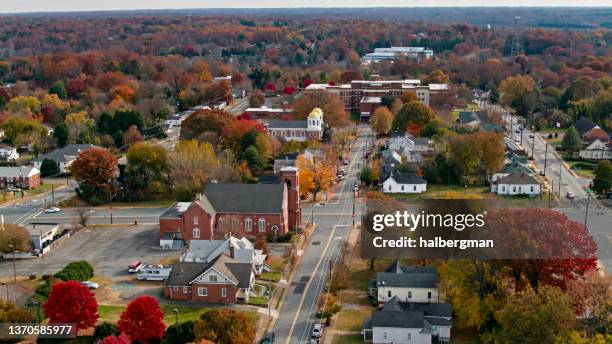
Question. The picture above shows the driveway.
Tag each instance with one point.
(109, 249)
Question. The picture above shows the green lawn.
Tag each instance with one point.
(583, 168)
(347, 339)
(186, 313)
(273, 276)
(276, 262)
(258, 301)
(437, 191)
(351, 319)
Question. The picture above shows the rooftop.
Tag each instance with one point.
(245, 198)
(518, 179)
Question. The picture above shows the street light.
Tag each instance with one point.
(111, 196)
(14, 268)
(37, 304)
(176, 311)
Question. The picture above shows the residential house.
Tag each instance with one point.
(583, 125)
(255, 209)
(411, 148)
(517, 184)
(409, 323)
(512, 167)
(8, 153)
(174, 121)
(64, 157)
(468, 119)
(404, 182)
(19, 177)
(309, 129)
(596, 150)
(242, 250)
(223, 281)
(408, 283)
(596, 133)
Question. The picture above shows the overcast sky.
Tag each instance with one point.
(7, 6)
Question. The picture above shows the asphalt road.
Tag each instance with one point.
(598, 218)
(333, 220)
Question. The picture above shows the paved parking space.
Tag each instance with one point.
(108, 249)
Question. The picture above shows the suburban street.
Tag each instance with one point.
(297, 313)
(598, 217)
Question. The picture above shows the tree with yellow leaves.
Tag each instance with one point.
(191, 166)
(381, 120)
(315, 175)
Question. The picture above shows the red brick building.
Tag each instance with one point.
(254, 209)
(309, 129)
(224, 281)
(20, 177)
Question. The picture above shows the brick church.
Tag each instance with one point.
(252, 209)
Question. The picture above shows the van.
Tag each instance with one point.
(154, 272)
(135, 266)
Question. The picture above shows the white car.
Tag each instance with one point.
(90, 284)
(52, 210)
(317, 330)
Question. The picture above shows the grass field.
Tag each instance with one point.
(351, 319)
(273, 276)
(186, 313)
(583, 168)
(347, 339)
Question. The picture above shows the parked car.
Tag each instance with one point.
(269, 339)
(90, 284)
(317, 330)
(570, 195)
(52, 210)
(531, 135)
(356, 187)
(518, 131)
(542, 173)
(135, 266)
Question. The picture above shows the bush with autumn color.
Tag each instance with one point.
(72, 302)
(142, 320)
(225, 326)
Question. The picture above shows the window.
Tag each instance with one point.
(212, 278)
(235, 223)
(248, 224)
(262, 225)
(202, 291)
(274, 133)
(184, 290)
(531, 188)
(389, 293)
(196, 233)
(503, 188)
(174, 288)
(429, 295)
(292, 133)
(414, 188)
(410, 294)
(402, 187)
(385, 335)
(514, 189)
(409, 336)
(195, 220)
(223, 292)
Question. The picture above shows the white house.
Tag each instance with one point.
(404, 182)
(242, 250)
(517, 184)
(174, 121)
(64, 157)
(309, 129)
(597, 150)
(407, 283)
(8, 153)
(409, 323)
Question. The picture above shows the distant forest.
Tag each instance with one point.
(548, 17)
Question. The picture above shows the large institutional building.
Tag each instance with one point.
(390, 54)
(366, 95)
(309, 129)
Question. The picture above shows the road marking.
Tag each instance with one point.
(299, 308)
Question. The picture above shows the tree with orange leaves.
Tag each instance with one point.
(315, 175)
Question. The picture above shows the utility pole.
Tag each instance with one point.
(52, 195)
(545, 155)
(586, 211)
(14, 268)
(560, 172)
(521, 136)
(354, 197)
(533, 145)
(551, 192)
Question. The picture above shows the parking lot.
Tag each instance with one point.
(108, 249)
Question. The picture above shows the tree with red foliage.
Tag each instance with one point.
(94, 170)
(132, 136)
(270, 87)
(122, 339)
(307, 82)
(142, 320)
(565, 246)
(71, 302)
(236, 129)
(349, 75)
(289, 90)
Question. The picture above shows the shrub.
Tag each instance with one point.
(179, 334)
(78, 271)
(105, 329)
(32, 276)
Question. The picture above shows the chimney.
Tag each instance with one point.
(2, 221)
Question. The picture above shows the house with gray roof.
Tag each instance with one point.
(404, 182)
(64, 157)
(517, 184)
(407, 283)
(223, 280)
(398, 322)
